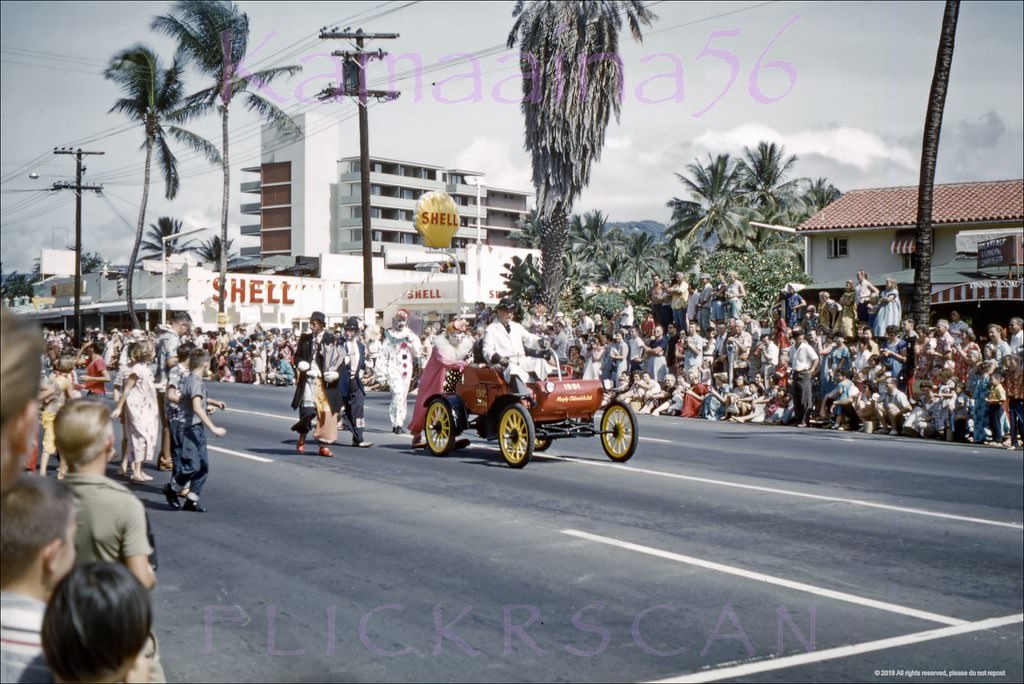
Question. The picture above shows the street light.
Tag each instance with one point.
(479, 181)
(163, 280)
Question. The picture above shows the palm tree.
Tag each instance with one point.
(819, 194)
(566, 118)
(210, 251)
(715, 209)
(588, 235)
(764, 176)
(213, 36)
(153, 244)
(153, 98)
(528, 235)
(644, 259)
(922, 297)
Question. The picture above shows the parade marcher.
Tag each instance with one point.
(504, 348)
(401, 346)
(316, 359)
(449, 355)
(350, 385)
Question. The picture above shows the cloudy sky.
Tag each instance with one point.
(842, 85)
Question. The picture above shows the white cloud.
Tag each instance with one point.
(504, 168)
(843, 144)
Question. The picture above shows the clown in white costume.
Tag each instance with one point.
(401, 346)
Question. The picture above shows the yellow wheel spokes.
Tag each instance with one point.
(438, 427)
(616, 421)
(513, 435)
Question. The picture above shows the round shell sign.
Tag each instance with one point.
(437, 219)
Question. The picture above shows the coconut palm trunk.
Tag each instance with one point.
(922, 295)
(554, 233)
(224, 206)
(129, 285)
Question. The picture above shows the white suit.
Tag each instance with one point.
(510, 344)
(397, 353)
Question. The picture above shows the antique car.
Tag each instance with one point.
(558, 408)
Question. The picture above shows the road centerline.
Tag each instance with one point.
(768, 579)
(748, 669)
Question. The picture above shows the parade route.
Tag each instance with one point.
(719, 552)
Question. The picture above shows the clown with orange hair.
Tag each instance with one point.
(401, 346)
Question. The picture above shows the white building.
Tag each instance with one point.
(310, 203)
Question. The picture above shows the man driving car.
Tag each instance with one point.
(505, 349)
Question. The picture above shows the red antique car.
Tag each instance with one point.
(558, 408)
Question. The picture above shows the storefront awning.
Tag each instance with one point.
(905, 242)
(980, 290)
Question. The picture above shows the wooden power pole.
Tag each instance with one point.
(354, 85)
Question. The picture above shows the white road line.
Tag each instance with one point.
(768, 579)
(240, 454)
(748, 669)
(257, 413)
(726, 483)
(786, 492)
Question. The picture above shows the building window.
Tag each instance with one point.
(837, 248)
(908, 262)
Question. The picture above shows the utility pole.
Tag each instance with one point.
(354, 85)
(78, 188)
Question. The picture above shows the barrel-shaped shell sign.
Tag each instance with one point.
(437, 219)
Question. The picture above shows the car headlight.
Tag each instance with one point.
(606, 383)
(549, 387)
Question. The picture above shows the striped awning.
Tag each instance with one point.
(905, 242)
(980, 290)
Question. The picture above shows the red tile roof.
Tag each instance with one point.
(897, 207)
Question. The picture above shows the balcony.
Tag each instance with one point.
(251, 186)
(251, 208)
(251, 229)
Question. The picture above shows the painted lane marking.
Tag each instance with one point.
(726, 483)
(768, 579)
(748, 669)
(786, 492)
(240, 454)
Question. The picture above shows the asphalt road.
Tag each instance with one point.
(729, 552)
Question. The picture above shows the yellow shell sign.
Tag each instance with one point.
(437, 219)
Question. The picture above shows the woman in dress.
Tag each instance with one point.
(143, 413)
(694, 398)
(449, 353)
(978, 386)
(657, 347)
(890, 311)
(595, 358)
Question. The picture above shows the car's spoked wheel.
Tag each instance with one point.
(618, 432)
(541, 444)
(439, 429)
(516, 435)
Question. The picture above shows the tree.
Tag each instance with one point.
(819, 194)
(589, 236)
(154, 99)
(715, 208)
(920, 303)
(644, 259)
(522, 281)
(763, 276)
(572, 83)
(209, 250)
(153, 246)
(213, 36)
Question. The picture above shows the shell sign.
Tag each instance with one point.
(437, 219)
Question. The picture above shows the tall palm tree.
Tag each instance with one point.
(213, 36)
(153, 244)
(570, 49)
(153, 98)
(922, 297)
(715, 209)
(765, 172)
(528, 235)
(644, 258)
(210, 250)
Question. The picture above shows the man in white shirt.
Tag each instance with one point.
(504, 348)
(803, 363)
(1016, 330)
(893, 407)
(694, 354)
(584, 324)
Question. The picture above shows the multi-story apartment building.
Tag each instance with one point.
(310, 201)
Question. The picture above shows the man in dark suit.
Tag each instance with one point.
(350, 385)
(315, 358)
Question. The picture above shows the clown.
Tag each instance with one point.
(401, 346)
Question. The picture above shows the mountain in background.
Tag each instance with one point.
(653, 228)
